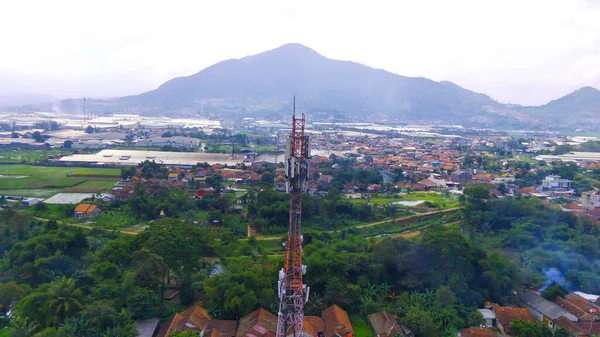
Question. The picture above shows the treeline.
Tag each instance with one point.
(434, 285)
(544, 237)
(66, 283)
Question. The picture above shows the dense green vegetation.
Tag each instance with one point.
(537, 236)
(69, 283)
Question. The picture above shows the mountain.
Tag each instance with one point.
(340, 89)
(580, 108)
(262, 86)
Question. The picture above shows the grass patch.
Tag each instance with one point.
(95, 185)
(360, 325)
(438, 200)
(32, 179)
(99, 171)
(32, 192)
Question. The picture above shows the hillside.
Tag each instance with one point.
(262, 86)
(344, 90)
(580, 108)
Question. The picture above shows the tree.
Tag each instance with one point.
(68, 144)
(187, 333)
(215, 181)
(38, 137)
(142, 303)
(23, 328)
(551, 293)
(64, 297)
(89, 129)
(10, 293)
(561, 332)
(530, 329)
(268, 178)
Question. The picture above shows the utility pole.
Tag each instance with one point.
(293, 293)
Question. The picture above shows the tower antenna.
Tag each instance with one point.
(293, 293)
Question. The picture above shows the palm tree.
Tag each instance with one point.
(65, 296)
(366, 304)
(23, 328)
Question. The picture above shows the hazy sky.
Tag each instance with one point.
(521, 51)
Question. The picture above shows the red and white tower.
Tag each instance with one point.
(293, 293)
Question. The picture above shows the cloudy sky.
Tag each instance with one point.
(517, 51)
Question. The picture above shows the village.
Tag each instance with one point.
(370, 181)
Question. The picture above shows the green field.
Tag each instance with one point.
(435, 197)
(45, 181)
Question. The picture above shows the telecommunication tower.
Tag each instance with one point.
(293, 293)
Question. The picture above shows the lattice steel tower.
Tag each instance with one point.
(293, 293)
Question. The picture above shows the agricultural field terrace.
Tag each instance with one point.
(45, 181)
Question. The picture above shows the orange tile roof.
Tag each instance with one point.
(313, 325)
(506, 315)
(85, 208)
(259, 323)
(220, 328)
(567, 324)
(336, 322)
(194, 319)
(477, 332)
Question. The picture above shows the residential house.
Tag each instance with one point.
(433, 182)
(313, 326)
(554, 182)
(349, 188)
(219, 328)
(542, 309)
(259, 323)
(578, 306)
(337, 323)
(386, 325)
(590, 200)
(253, 178)
(325, 178)
(173, 176)
(193, 319)
(200, 175)
(461, 176)
(506, 315)
(86, 211)
(489, 316)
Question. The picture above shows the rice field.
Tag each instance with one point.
(45, 181)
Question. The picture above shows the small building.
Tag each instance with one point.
(29, 201)
(542, 309)
(554, 182)
(461, 176)
(386, 325)
(489, 317)
(259, 323)
(325, 178)
(337, 323)
(204, 191)
(146, 328)
(86, 211)
(349, 188)
(590, 200)
(506, 315)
